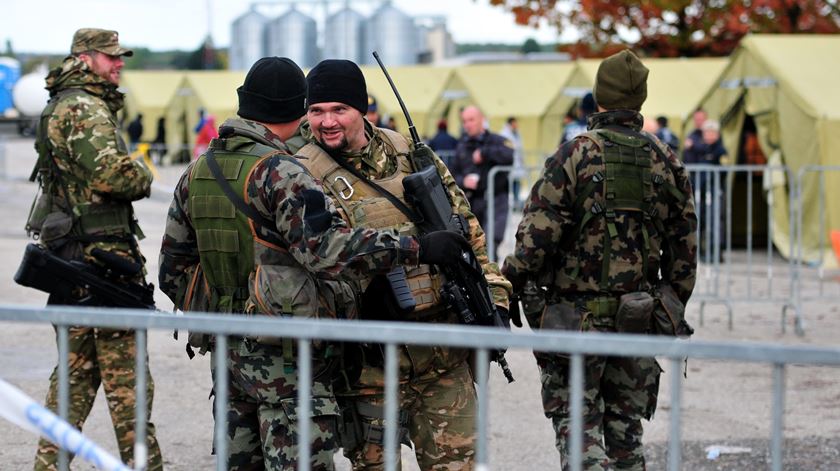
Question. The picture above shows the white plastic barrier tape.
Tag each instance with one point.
(21, 410)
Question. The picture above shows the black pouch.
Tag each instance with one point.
(634, 312)
(669, 314)
(561, 316)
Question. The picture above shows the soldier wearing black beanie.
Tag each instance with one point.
(274, 91)
(337, 80)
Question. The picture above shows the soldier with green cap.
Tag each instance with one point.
(607, 243)
(251, 232)
(88, 184)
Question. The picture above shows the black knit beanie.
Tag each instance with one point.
(274, 91)
(337, 80)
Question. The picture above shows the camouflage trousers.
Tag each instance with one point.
(440, 411)
(107, 357)
(617, 393)
(262, 410)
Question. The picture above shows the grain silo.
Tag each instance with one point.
(293, 35)
(343, 35)
(247, 40)
(393, 34)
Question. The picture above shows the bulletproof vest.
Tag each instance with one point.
(91, 222)
(224, 235)
(361, 205)
(625, 201)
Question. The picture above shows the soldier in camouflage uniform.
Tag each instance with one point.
(612, 211)
(437, 394)
(275, 246)
(88, 183)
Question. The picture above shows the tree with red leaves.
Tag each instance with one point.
(672, 28)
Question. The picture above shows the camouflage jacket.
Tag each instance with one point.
(307, 226)
(546, 241)
(376, 161)
(81, 136)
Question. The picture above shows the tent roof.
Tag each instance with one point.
(419, 86)
(151, 89)
(675, 86)
(519, 89)
(806, 66)
(215, 89)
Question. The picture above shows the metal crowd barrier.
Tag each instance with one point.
(480, 338)
(764, 275)
(800, 278)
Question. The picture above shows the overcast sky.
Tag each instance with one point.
(48, 25)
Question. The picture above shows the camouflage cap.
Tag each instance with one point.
(101, 40)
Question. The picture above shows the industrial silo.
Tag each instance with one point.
(393, 34)
(293, 35)
(343, 35)
(247, 40)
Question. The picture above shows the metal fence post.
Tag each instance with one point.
(220, 400)
(141, 451)
(63, 387)
(304, 409)
(482, 367)
(392, 444)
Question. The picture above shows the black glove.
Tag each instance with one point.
(514, 313)
(504, 316)
(442, 248)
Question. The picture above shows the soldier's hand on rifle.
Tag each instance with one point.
(442, 248)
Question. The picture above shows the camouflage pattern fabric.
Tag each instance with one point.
(107, 357)
(82, 136)
(441, 430)
(618, 392)
(101, 40)
(309, 240)
(553, 250)
(441, 408)
(262, 420)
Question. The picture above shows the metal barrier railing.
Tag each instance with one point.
(799, 255)
(396, 333)
(762, 278)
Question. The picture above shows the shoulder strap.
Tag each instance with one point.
(387, 194)
(231, 194)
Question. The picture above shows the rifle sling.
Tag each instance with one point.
(231, 195)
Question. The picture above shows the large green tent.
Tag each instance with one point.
(521, 90)
(213, 91)
(149, 92)
(419, 87)
(675, 86)
(788, 85)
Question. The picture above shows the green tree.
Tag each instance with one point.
(671, 28)
(530, 45)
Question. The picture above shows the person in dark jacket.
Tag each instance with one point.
(478, 151)
(443, 143)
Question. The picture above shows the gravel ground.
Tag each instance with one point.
(724, 403)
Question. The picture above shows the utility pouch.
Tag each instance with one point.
(56, 225)
(561, 316)
(38, 213)
(634, 312)
(669, 314)
(533, 303)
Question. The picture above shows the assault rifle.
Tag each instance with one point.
(46, 272)
(465, 289)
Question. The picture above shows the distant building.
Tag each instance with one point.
(347, 34)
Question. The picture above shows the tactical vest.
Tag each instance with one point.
(224, 235)
(89, 222)
(628, 191)
(361, 205)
